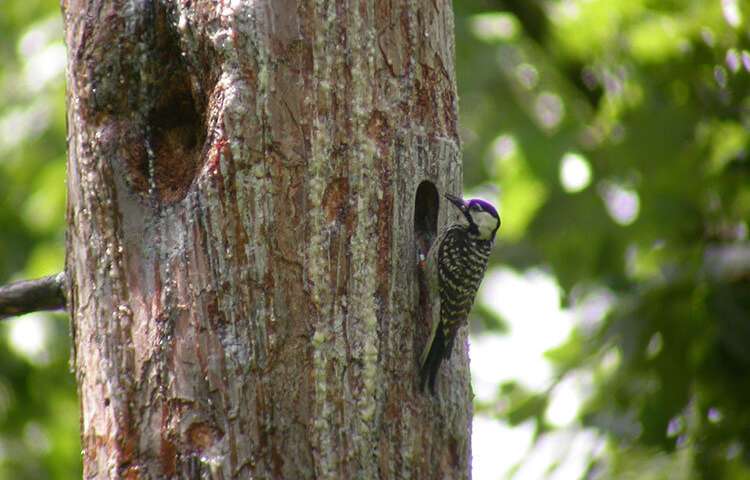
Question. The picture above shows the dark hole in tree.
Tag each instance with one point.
(164, 150)
(426, 204)
(177, 137)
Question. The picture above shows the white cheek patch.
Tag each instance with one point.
(486, 223)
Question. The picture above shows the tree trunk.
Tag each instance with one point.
(242, 240)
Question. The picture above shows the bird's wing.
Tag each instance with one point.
(433, 292)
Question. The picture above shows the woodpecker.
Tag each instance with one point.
(454, 268)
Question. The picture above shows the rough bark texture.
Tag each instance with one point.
(241, 246)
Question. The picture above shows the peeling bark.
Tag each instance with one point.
(242, 259)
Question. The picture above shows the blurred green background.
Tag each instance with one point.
(38, 408)
(614, 136)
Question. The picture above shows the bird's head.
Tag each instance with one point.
(480, 217)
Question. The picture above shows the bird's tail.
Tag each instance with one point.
(431, 359)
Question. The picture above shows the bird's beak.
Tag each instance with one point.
(457, 201)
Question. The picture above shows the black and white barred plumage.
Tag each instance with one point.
(455, 266)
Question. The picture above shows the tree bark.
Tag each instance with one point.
(242, 240)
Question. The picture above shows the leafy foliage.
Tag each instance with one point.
(647, 102)
(38, 409)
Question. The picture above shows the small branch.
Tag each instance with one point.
(47, 293)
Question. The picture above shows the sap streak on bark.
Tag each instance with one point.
(240, 247)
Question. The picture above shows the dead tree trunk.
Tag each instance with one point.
(242, 237)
